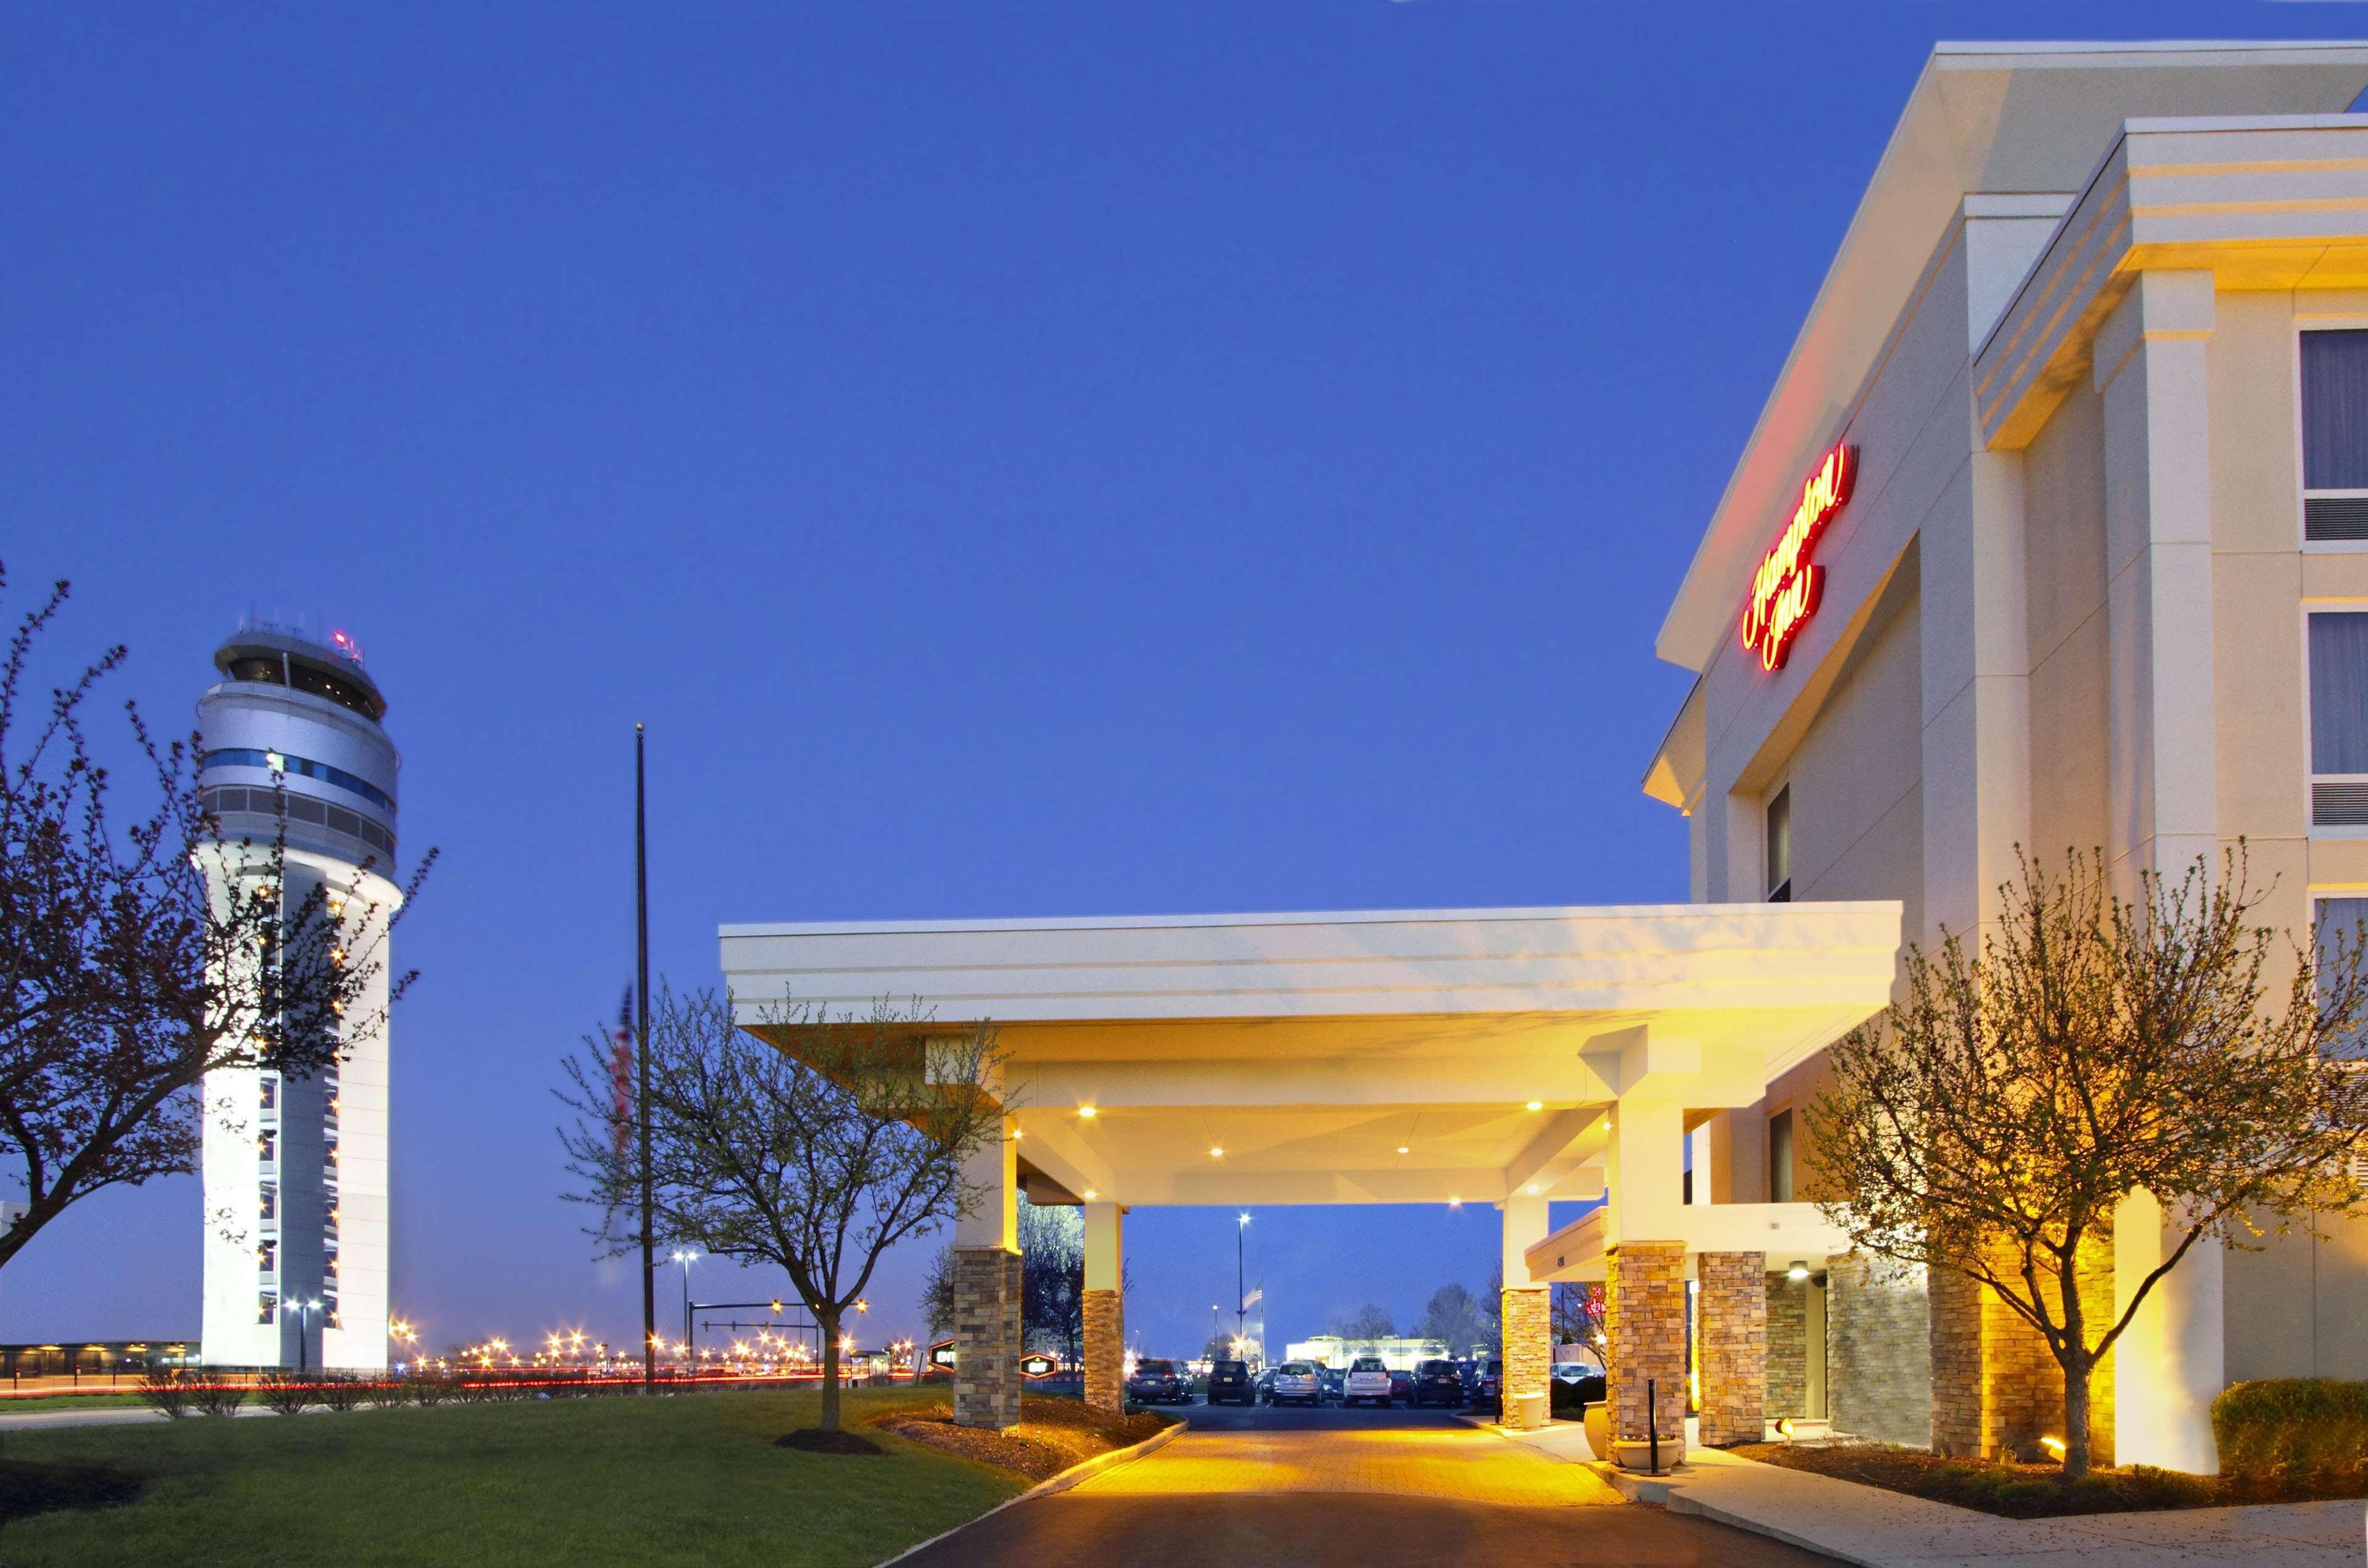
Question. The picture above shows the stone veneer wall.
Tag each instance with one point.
(1106, 1349)
(1734, 1307)
(1788, 1348)
(986, 1337)
(1996, 1387)
(1645, 1321)
(1878, 1350)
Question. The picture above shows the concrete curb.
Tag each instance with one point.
(1084, 1470)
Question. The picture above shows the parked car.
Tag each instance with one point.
(1295, 1382)
(1335, 1380)
(1264, 1388)
(1229, 1384)
(1159, 1383)
(1368, 1382)
(1570, 1372)
(1402, 1384)
(1491, 1386)
(1436, 1383)
(1468, 1371)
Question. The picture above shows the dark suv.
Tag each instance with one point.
(1159, 1383)
(1229, 1384)
(1437, 1382)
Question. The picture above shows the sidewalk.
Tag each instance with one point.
(1889, 1530)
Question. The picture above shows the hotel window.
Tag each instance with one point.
(267, 1201)
(268, 1087)
(266, 1307)
(1780, 846)
(1779, 1157)
(267, 1148)
(267, 1258)
(2338, 718)
(2341, 921)
(2335, 437)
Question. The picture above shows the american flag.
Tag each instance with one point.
(620, 1079)
(1257, 1294)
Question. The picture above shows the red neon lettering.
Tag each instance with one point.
(1787, 588)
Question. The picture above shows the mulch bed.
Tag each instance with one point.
(1056, 1434)
(26, 1489)
(2036, 1491)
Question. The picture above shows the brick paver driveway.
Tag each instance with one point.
(1313, 1488)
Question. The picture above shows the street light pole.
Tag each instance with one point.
(685, 1259)
(1241, 1283)
(642, 1062)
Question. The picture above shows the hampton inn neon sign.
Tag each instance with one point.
(1786, 588)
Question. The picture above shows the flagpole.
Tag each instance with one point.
(641, 1064)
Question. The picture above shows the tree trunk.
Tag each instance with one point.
(828, 1320)
(2076, 1415)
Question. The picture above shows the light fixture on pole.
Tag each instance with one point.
(687, 1258)
(642, 1066)
(1241, 1281)
(303, 1311)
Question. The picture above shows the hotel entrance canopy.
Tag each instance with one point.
(1386, 1057)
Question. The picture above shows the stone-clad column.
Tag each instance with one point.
(1733, 1347)
(1644, 1324)
(1527, 1321)
(1105, 1308)
(986, 1288)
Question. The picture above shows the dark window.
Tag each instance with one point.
(304, 766)
(2343, 923)
(258, 668)
(2335, 410)
(1780, 846)
(321, 683)
(269, 1090)
(268, 1147)
(1779, 1157)
(267, 1258)
(2338, 718)
(267, 1201)
(266, 1307)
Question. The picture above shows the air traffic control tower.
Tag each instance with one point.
(296, 1169)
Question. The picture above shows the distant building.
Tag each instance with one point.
(1398, 1355)
(296, 1170)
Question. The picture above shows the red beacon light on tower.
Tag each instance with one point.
(343, 643)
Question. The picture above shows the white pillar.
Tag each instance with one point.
(2150, 367)
(991, 1180)
(1105, 1307)
(1645, 1170)
(2172, 1363)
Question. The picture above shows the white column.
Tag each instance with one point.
(1105, 1262)
(2150, 368)
(1525, 1226)
(1645, 1171)
(991, 1180)
(2163, 808)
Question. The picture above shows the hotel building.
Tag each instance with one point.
(2053, 535)
(295, 1169)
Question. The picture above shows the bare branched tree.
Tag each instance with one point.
(816, 1164)
(2097, 1048)
(136, 958)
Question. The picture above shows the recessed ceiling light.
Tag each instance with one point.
(1533, 1188)
(1018, 1134)
(1455, 1203)
(1216, 1153)
(1402, 1148)
(1537, 1105)
(1089, 1192)
(1087, 1112)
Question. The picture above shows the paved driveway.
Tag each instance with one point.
(1313, 1488)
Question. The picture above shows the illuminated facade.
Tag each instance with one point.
(2097, 343)
(295, 1170)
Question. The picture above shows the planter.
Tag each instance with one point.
(1595, 1420)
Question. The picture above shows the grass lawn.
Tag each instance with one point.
(26, 1403)
(693, 1479)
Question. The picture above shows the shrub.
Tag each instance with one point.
(341, 1395)
(215, 1397)
(283, 1393)
(161, 1388)
(2282, 1435)
(430, 1388)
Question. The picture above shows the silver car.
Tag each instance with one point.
(1295, 1382)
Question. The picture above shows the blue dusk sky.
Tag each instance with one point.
(1018, 460)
